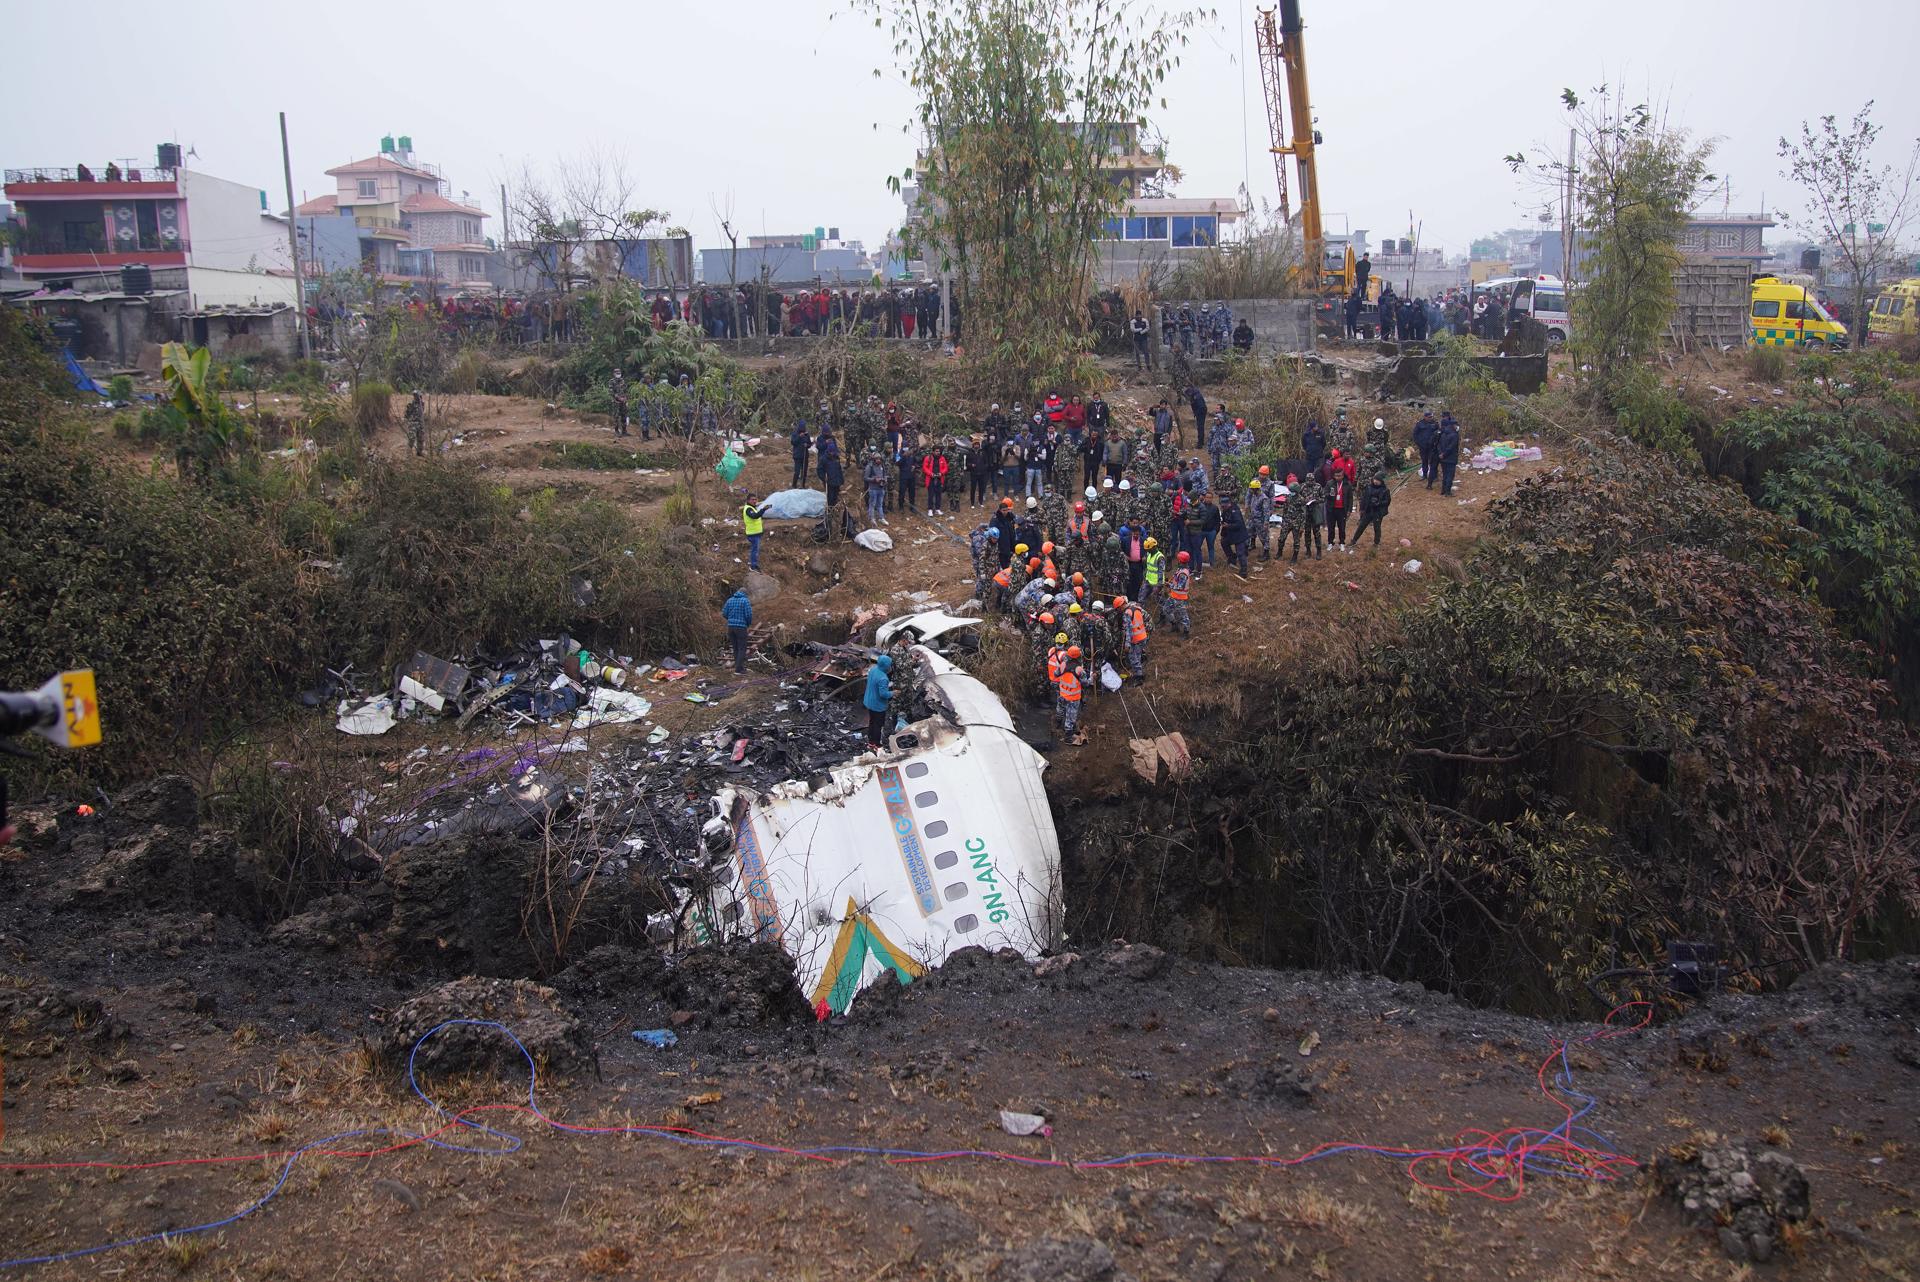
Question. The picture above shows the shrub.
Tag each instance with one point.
(1766, 364)
(120, 389)
(1651, 412)
(372, 407)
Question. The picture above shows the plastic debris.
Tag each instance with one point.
(1309, 1043)
(696, 697)
(1024, 1124)
(1411, 567)
(658, 734)
(658, 1038)
(375, 716)
(610, 707)
(1109, 679)
(874, 540)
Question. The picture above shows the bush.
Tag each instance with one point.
(120, 389)
(1651, 412)
(372, 407)
(1766, 364)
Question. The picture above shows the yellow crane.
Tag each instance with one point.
(1283, 65)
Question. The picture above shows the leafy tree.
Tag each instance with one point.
(1859, 209)
(1022, 104)
(1635, 178)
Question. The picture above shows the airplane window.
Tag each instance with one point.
(966, 925)
(916, 769)
(938, 828)
(946, 859)
(958, 890)
(926, 799)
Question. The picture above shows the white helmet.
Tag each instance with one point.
(1032, 503)
(1099, 517)
(1106, 483)
(1092, 493)
(1125, 484)
(996, 405)
(1379, 422)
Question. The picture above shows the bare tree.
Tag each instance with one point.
(1860, 209)
(732, 234)
(589, 202)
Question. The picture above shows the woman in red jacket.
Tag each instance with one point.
(933, 470)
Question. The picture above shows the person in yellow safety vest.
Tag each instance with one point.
(1156, 569)
(1133, 626)
(1078, 525)
(755, 525)
(1067, 695)
(1174, 608)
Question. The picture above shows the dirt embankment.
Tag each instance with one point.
(147, 1017)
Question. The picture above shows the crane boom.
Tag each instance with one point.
(1272, 79)
(1283, 55)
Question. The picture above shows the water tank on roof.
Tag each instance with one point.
(1406, 246)
(406, 142)
(1809, 260)
(169, 155)
(136, 278)
(386, 144)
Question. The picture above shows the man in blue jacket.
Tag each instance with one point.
(1446, 452)
(879, 695)
(1425, 432)
(738, 612)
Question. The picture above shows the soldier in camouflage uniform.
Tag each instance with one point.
(1097, 643)
(1039, 638)
(1307, 507)
(1340, 435)
(416, 420)
(1259, 512)
(983, 543)
(1373, 460)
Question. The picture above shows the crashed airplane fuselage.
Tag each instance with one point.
(940, 840)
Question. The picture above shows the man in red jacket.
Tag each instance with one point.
(933, 471)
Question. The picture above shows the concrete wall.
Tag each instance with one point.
(231, 337)
(329, 244)
(228, 227)
(1279, 324)
(211, 287)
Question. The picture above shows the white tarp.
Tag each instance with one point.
(874, 540)
(607, 707)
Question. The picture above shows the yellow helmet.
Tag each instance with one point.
(1019, 547)
(1059, 638)
(1151, 544)
(1074, 608)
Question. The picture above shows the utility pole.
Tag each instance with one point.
(1566, 219)
(506, 219)
(293, 247)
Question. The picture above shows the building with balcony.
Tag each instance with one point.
(400, 205)
(85, 220)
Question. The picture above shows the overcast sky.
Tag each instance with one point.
(772, 105)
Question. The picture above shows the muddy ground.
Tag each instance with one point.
(148, 1014)
(147, 1021)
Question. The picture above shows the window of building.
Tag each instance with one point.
(1194, 232)
(1157, 227)
(1727, 239)
(1136, 228)
(1767, 310)
(368, 188)
(1113, 229)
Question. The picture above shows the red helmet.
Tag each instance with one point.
(1079, 507)
(1182, 558)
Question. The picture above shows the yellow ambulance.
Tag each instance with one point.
(1784, 315)
(1896, 313)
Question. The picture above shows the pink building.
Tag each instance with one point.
(409, 228)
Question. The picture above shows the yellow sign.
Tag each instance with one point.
(79, 709)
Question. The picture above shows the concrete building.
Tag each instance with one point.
(1154, 229)
(398, 204)
(1726, 238)
(83, 221)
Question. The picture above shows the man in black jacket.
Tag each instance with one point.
(1375, 499)
(1446, 452)
(802, 441)
(1424, 433)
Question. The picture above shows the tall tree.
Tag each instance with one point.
(1857, 208)
(589, 202)
(1025, 107)
(1635, 179)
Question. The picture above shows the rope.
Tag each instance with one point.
(1489, 1164)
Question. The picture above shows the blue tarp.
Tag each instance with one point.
(794, 505)
(82, 380)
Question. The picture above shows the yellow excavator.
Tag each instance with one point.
(1283, 71)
